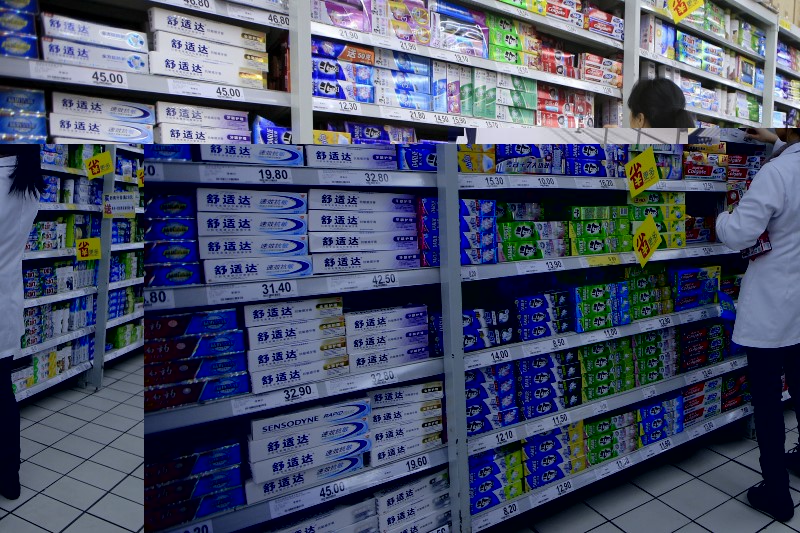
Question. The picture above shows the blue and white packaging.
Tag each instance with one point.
(304, 439)
(297, 311)
(412, 430)
(23, 124)
(352, 157)
(298, 374)
(337, 200)
(491, 421)
(284, 155)
(405, 414)
(243, 224)
(201, 117)
(95, 129)
(266, 132)
(394, 318)
(333, 69)
(291, 354)
(357, 221)
(358, 518)
(236, 201)
(252, 246)
(365, 261)
(193, 26)
(61, 27)
(25, 6)
(420, 392)
(84, 55)
(90, 106)
(357, 410)
(367, 362)
(256, 492)
(22, 100)
(256, 269)
(380, 455)
(402, 62)
(191, 47)
(417, 158)
(403, 99)
(366, 241)
(402, 81)
(20, 46)
(343, 90)
(177, 133)
(168, 152)
(171, 252)
(410, 512)
(295, 332)
(378, 340)
(13, 21)
(387, 500)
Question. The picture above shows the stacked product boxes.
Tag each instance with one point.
(18, 29)
(171, 250)
(191, 124)
(80, 117)
(428, 231)
(22, 115)
(695, 287)
(478, 227)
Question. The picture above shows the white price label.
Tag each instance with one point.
(300, 393)
(463, 59)
(663, 445)
(490, 124)
(376, 178)
(693, 378)
(278, 289)
(200, 527)
(109, 78)
(607, 90)
(153, 171)
(746, 410)
(624, 462)
(205, 6)
(205, 90)
(382, 378)
(510, 510)
(600, 407)
(418, 116)
(648, 392)
(252, 404)
(534, 428)
(228, 294)
(561, 419)
(665, 322)
(343, 385)
(278, 21)
(538, 348)
(334, 490)
(461, 122)
(604, 471)
(441, 119)
(350, 107)
(349, 35)
(504, 437)
(554, 265)
(611, 333)
(660, 186)
(707, 373)
(734, 364)
(567, 27)
(363, 282)
(408, 47)
(494, 182)
(155, 299)
(530, 267)
(417, 463)
(593, 183)
(560, 343)
(564, 487)
(499, 356)
(708, 426)
(385, 280)
(279, 176)
(694, 316)
(470, 274)
(393, 113)
(545, 182)
(522, 70)
(708, 250)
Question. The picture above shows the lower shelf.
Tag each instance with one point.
(119, 352)
(39, 387)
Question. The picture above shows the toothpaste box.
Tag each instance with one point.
(379, 340)
(485, 500)
(411, 430)
(176, 133)
(194, 369)
(227, 200)
(320, 441)
(257, 492)
(402, 81)
(380, 455)
(295, 332)
(89, 106)
(22, 100)
(297, 374)
(193, 463)
(178, 65)
(67, 52)
(358, 518)
(96, 129)
(334, 200)
(195, 509)
(285, 155)
(290, 354)
(255, 269)
(20, 46)
(432, 522)
(357, 221)
(418, 158)
(217, 224)
(79, 31)
(404, 99)
(192, 26)
(342, 51)
(194, 346)
(343, 90)
(405, 414)
(386, 319)
(352, 157)
(198, 323)
(193, 48)
(388, 500)
(200, 117)
(402, 62)
(168, 396)
(368, 241)
(24, 124)
(252, 246)
(410, 512)
(267, 428)
(421, 392)
(296, 311)
(365, 261)
(194, 487)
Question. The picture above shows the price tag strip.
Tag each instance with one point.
(205, 90)
(363, 282)
(198, 527)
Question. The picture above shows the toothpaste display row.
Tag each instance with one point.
(52, 363)
(58, 277)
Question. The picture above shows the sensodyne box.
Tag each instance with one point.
(256, 492)
(291, 354)
(303, 439)
(61, 27)
(235, 201)
(256, 269)
(220, 224)
(295, 332)
(267, 428)
(365, 261)
(361, 201)
(298, 374)
(210, 51)
(202, 117)
(388, 500)
(191, 26)
(252, 246)
(90, 106)
(273, 313)
(386, 319)
(277, 467)
(344, 516)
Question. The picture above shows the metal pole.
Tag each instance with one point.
(770, 66)
(630, 48)
(300, 79)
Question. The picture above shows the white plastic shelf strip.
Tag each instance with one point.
(60, 297)
(119, 352)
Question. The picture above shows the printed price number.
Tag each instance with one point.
(151, 171)
(504, 437)
(459, 121)
(406, 46)
(299, 393)
(278, 20)
(493, 182)
(461, 58)
(418, 463)
(282, 289)
(624, 462)
(159, 299)
(665, 321)
(554, 265)
(274, 175)
(734, 364)
(491, 124)
(439, 118)
(376, 178)
(498, 356)
(707, 250)
(198, 4)
(708, 426)
(561, 419)
(560, 344)
(664, 445)
(229, 93)
(600, 408)
(349, 35)
(648, 392)
(510, 509)
(607, 90)
(418, 115)
(563, 488)
(332, 490)
(523, 70)
(708, 186)
(350, 107)
(470, 274)
(610, 333)
(707, 373)
(606, 184)
(382, 378)
(546, 182)
(603, 260)
(387, 279)
(109, 79)
(203, 527)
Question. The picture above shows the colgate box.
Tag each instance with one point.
(704, 172)
(548, 119)
(596, 61)
(597, 75)
(191, 346)
(193, 462)
(604, 28)
(593, 13)
(199, 323)
(741, 173)
(558, 11)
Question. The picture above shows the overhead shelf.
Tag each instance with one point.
(723, 117)
(60, 297)
(52, 382)
(253, 403)
(545, 181)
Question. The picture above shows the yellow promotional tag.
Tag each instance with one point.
(646, 240)
(88, 249)
(642, 172)
(140, 177)
(680, 9)
(785, 24)
(603, 260)
(99, 165)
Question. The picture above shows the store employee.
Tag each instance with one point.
(768, 314)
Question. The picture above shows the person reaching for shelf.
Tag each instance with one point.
(768, 317)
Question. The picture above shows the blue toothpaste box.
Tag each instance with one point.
(22, 100)
(486, 500)
(332, 69)
(192, 346)
(17, 22)
(170, 206)
(167, 152)
(193, 464)
(156, 398)
(402, 62)
(194, 369)
(402, 81)
(193, 487)
(23, 124)
(218, 224)
(284, 155)
(419, 157)
(25, 6)
(170, 230)
(173, 275)
(343, 90)
(199, 323)
(267, 133)
(489, 422)
(499, 372)
(171, 252)
(173, 515)
(22, 46)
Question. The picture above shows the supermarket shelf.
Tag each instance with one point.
(45, 206)
(123, 319)
(721, 116)
(533, 181)
(534, 499)
(787, 30)
(392, 43)
(529, 428)
(259, 175)
(55, 168)
(198, 414)
(787, 71)
(789, 103)
(69, 75)
(520, 350)
(705, 34)
(52, 343)
(125, 283)
(127, 246)
(39, 387)
(234, 293)
(521, 268)
(126, 179)
(698, 73)
(60, 297)
(46, 254)
(261, 512)
(130, 148)
(119, 352)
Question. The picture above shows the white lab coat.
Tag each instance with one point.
(17, 213)
(768, 313)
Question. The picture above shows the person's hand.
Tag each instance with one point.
(762, 135)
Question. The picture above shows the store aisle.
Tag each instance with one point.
(83, 458)
(699, 488)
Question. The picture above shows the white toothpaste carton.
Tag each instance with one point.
(267, 314)
(388, 500)
(169, 64)
(414, 429)
(192, 47)
(201, 117)
(367, 362)
(411, 511)
(266, 428)
(400, 450)
(252, 246)
(291, 354)
(355, 221)
(235, 201)
(421, 392)
(192, 26)
(405, 414)
(256, 269)
(430, 523)
(344, 516)
(181, 134)
(373, 341)
(285, 155)
(334, 200)
(277, 467)
(363, 241)
(61, 27)
(257, 492)
(351, 157)
(85, 55)
(365, 261)
(298, 374)
(386, 319)
(96, 129)
(315, 438)
(245, 224)
(90, 106)
(295, 332)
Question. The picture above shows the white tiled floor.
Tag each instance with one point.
(83, 459)
(702, 489)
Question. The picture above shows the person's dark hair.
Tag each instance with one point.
(662, 103)
(27, 175)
